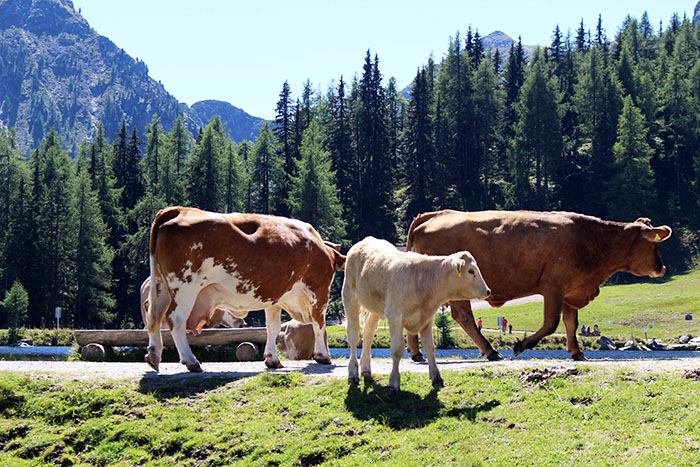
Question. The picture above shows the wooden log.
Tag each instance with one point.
(139, 337)
(246, 351)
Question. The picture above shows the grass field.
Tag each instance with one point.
(548, 416)
(621, 312)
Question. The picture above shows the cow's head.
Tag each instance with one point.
(338, 259)
(644, 258)
(465, 274)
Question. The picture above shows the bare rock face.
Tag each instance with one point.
(696, 15)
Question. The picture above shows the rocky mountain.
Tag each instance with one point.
(696, 13)
(239, 124)
(502, 41)
(56, 71)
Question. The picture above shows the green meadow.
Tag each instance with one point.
(592, 415)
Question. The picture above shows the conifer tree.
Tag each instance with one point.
(92, 299)
(286, 144)
(266, 172)
(633, 189)
(314, 196)
(236, 179)
(152, 160)
(205, 177)
(15, 305)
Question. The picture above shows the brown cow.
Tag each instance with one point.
(237, 262)
(218, 317)
(563, 256)
(296, 340)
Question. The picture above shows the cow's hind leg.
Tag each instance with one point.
(368, 332)
(155, 348)
(463, 315)
(397, 349)
(273, 324)
(426, 336)
(352, 314)
(413, 347)
(570, 316)
(179, 333)
(552, 315)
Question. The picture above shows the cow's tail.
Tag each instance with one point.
(163, 216)
(417, 221)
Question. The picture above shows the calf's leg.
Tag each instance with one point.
(352, 314)
(397, 349)
(426, 336)
(370, 329)
(570, 316)
(462, 313)
(552, 315)
(272, 324)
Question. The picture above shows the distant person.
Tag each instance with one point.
(479, 323)
(503, 326)
(588, 331)
(596, 331)
(510, 328)
(583, 330)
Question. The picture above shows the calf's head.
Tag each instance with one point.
(466, 277)
(643, 257)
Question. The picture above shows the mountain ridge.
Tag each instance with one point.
(56, 71)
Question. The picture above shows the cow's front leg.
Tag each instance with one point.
(397, 350)
(570, 316)
(552, 316)
(462, 314)
(321, 353)
(352, 315)
(273, 324)
(187, 358)
(426, 336)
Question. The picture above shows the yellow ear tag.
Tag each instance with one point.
(459, 273)
(657, 238)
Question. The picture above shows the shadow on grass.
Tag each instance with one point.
(164, 387)
(403, 410)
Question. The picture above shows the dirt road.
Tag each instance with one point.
(109, 371)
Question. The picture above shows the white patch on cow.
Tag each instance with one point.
(227, 284)
(197, 246)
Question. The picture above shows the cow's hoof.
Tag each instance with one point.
(194, 367)
(438, 383)
(393, 392)
(354, 380)
(518, 348)
(495, 356)
(153, 360)
(273, 364)
(579, 357)
(322, 359)
(418, 358)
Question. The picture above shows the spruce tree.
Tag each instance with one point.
(266, 172)
(314, 197)
(205, 178)
(285, 144)
(633, 190)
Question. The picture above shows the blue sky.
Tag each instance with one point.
(243, 51)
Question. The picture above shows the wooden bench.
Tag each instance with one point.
(95, 339)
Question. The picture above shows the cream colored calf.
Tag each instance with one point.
(406, 289)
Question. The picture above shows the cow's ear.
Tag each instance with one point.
(459, 266)
(643, 220)
(657, 234)
(339, 262)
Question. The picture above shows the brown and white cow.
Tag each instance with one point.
(215, 317)
(406, 289)
(237, 262)
(297, 340)
(563, 256)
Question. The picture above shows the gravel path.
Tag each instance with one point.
(108, 371)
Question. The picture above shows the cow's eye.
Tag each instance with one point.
(471, 271)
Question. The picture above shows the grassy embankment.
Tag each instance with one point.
(621, 312)
(485, 416)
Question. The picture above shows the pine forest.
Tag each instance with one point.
(606, 126)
